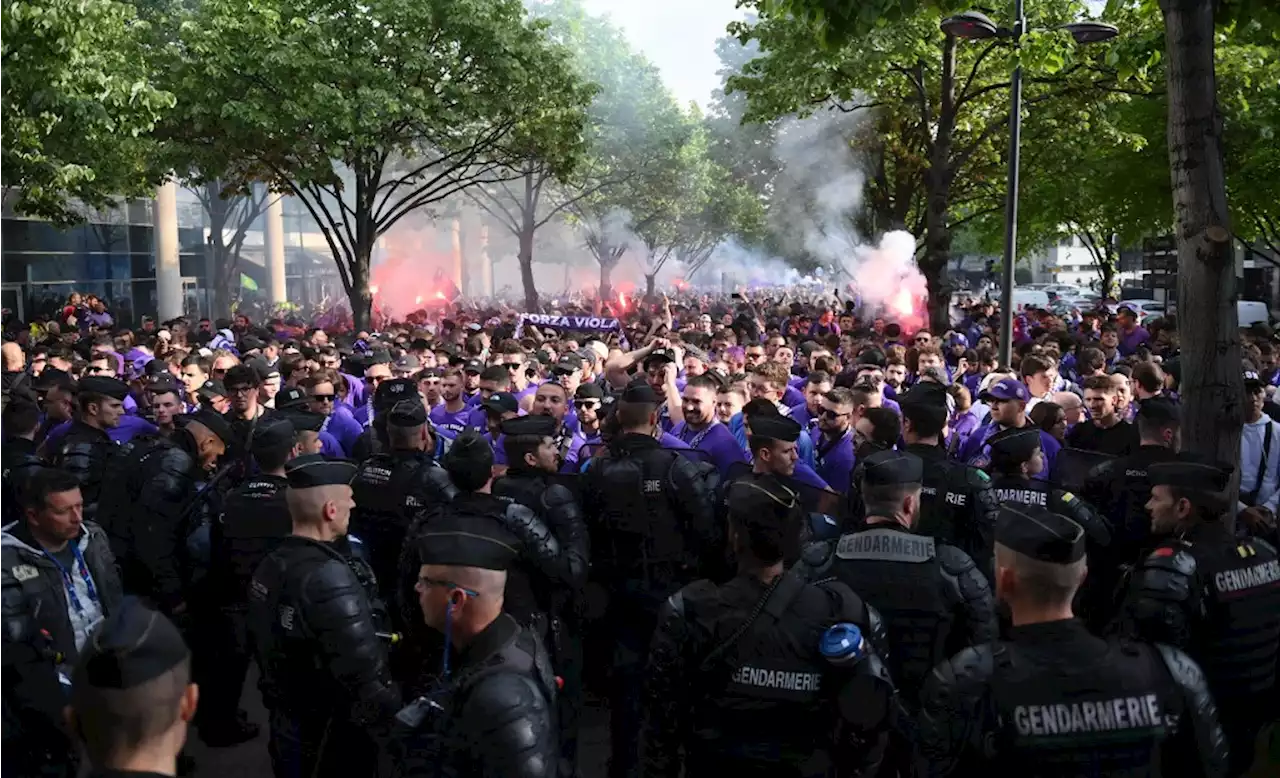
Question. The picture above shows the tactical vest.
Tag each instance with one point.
(1021, 491)
(384, 493)
(638, 535)
(898, 574)
(254, 519)
(1107, 718)
(1238, 642)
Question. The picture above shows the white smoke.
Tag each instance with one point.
(816, 199)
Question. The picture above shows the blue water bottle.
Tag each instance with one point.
(842, 645)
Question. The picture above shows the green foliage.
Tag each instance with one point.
(79, 103)
(368, 111)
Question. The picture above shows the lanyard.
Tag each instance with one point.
(72, 597)
(697, 439)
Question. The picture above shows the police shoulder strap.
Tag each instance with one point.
(768, 611)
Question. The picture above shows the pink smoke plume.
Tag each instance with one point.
(886, 278)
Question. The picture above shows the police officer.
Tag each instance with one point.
(397, 484)
(373, 439)
(59, 581)
(651, 520)
(742, 676)
(150, 507)
(18, 459)
(86, 447)
(1016, 458)
(131, 695)
(1053, 699)
(1120, 489)
(532, 459)
(931, 595)
(325, 680)
(494, 710)
(254, 520)
(1210, 594)
(957, 505)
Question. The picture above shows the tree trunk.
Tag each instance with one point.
(649, 283)
(1212, 389)
(606, 273)
(937, 251)
(360, 296)
(525, 256)
(224, 270)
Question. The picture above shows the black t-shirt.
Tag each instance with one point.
(1118, 441)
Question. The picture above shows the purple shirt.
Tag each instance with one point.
(716, 441)
(835, 460)
(792, 397)
(976, 452)
(450, 422)
(1130, 341)
(129, 428)
(343, 427)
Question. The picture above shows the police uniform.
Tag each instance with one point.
(788, 430)
(18, 461)
(493, 712)
(325, 679)
(559, 509)
(957, 505)
(1217, 598)
(1054, 700)
(738, 680)
(133, 647)
(651, 520)
(394, 487)
(931, 595)
(1009, 449)
(85, 450)
(1120, 489)
(255, 518)
(373, 440)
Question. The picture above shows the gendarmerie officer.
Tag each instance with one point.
(651, 519)
(931, 595)
(957, 505)
(255, 518)
(325, 680)
(59, 581)
(1053, 699)
(1212, 595)
(1016, 458)
(18, 458)
(132, 698)
(768, 674)
(532, 459)
(393, 487)
(542, 564)
(493, 712)
(1119, 489)
(373, 439)
(86, 447)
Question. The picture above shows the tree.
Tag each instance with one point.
(939, 106)
(369, 111)
(230, 216)
(79, 103)
(1212, 388)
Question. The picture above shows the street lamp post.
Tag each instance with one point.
(976, 26)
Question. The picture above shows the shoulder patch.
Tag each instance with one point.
(25, 572)
(1162, 552)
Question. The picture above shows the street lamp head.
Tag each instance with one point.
(1091, 32)
(970, 24)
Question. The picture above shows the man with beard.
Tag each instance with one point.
(833, 451)
(450, 417)
(702, 430)
(86, 447)
(588, 404)
(552, 400)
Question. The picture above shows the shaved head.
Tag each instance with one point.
(1042, 583)
(307, 506)
(491, 583)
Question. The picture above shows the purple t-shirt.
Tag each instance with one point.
(450, 422)
(129, 428)
(716, 441)
(1130, 341)
(834, 460)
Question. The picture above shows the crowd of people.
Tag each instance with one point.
(772, 535)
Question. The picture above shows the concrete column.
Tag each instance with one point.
(455, 267)
(486, 264)
(168, 268)
(273, 247)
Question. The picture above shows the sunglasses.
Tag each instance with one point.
(324, 398)
(828, 413)
(588, 404)
(241, 389)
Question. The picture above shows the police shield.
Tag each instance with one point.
(1072, 466)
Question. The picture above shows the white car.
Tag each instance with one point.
(1144, 308)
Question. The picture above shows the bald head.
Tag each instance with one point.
(14, 358)
(1071, 405)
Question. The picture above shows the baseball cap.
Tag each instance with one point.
(501, 402)
(1007, 389)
